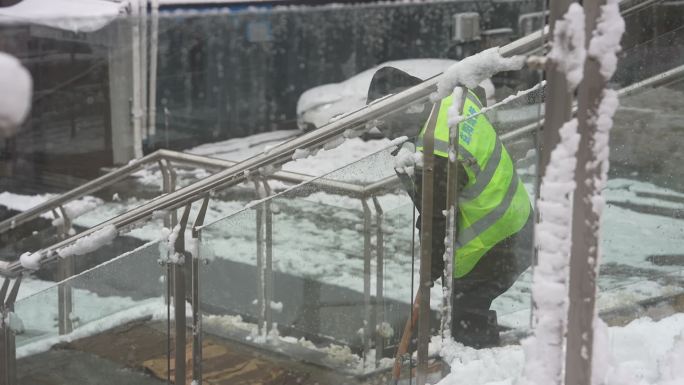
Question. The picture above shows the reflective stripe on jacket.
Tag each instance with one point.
(494, 204)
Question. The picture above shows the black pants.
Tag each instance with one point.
(473, 323)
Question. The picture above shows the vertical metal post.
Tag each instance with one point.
(427, 205)
(144, 73)
(451, 220)
(379, 281)
(367, 327)
(558, 110)
(152, 101)
(168, 186)
(8, 349)
(170, 219)
(179, 298)
(584, 252)
(262, 305)
(196, 311)
(558, 98)
(65, 269)
(5, 335)
(268, 274)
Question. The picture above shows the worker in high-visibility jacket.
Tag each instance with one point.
(494, 241)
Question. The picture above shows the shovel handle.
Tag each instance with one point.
(406, 338)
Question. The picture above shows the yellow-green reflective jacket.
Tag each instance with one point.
(494, 204)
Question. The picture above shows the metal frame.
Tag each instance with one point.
(195, 294)
(179, 158)
(379, 309)
(425, 282)
(233, 173)
(264, 263)
(8, 351)
(237, 173)
(179, 296)
(584, 251)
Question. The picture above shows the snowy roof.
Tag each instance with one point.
(69, 15)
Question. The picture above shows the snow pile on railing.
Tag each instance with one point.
(544, 350)
(90, 243)
(473, 70)
(568, 52)
(77, 208)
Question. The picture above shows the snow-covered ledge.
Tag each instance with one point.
(69, 15)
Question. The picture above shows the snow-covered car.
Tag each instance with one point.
(318, 105)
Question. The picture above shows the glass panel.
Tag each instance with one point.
(641, 272)
(37, 311)
(122, 295)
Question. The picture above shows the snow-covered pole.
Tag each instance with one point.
(558, 97)
(262, 303)
(455, 117)
(544, 350)
(596, 107)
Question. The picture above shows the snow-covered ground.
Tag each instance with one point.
(643, 352)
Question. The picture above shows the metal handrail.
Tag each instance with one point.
(239, 172)
(662, 79)
(182, 158)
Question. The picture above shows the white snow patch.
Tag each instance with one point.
(407, 158)
(90, 242)
(14, 322)
(473, 70)
(605, 42)
(300, 153)
(69, 15)
(30, 261)
(644, 353)
(15, 99)
(567, 51)
(75, 209)
(544, 350)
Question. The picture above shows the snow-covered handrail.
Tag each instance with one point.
(276, 156)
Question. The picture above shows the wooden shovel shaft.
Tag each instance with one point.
(406, 338)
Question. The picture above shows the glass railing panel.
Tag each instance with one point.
(642, 225)
(124, 294)
(37, 311)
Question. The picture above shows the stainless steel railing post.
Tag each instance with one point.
(268, 238)
(196, 300)
(8, 348)
(368, 325)
(179, 296)
(379, 281)
(65, 270)
(427, 204)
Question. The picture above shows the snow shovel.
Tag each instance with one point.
(405, 339)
